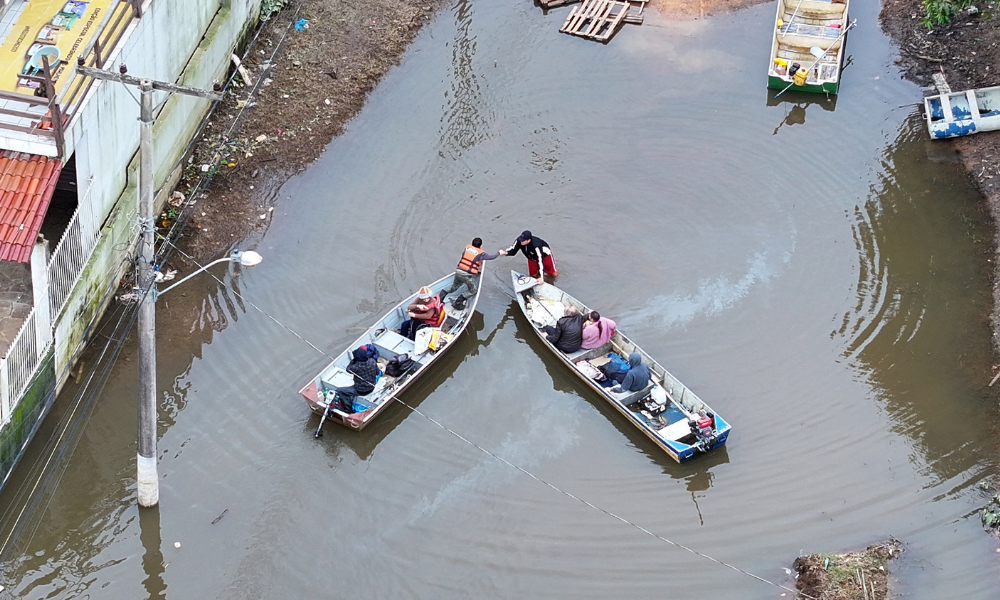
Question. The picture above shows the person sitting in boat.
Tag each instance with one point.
(597, 331)
(365, 370)
(538, 253)
(637, 377)
(568, 331)
(467, 272)
(426, 311)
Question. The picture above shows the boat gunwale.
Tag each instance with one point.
(787, 80)
(653, 434)
(357, 425)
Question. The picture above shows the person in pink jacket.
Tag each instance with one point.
(597, 330)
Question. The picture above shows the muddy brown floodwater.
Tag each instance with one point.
(817, 271)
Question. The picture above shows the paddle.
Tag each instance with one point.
(815, 49)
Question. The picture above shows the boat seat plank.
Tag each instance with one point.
(627, 398)
(390, 343)
(675, 431)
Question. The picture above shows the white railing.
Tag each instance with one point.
(71, 254)
(19, 365)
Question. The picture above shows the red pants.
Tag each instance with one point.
(547, 262)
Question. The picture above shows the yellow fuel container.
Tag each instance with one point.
(800, 77)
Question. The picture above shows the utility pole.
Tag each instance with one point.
(147, 481)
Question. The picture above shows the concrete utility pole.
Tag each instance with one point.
(148, 482)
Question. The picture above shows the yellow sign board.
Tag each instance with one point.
(58, 29)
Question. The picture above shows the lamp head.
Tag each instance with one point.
(247, 258)
(122, 69)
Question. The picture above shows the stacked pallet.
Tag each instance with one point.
(598, 19)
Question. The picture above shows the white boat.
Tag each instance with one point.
(683, 426)
(962, 113)
(430, 344)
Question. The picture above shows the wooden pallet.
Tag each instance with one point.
(595, 19)
(634, 16)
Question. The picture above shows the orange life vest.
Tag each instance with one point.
(466, 264)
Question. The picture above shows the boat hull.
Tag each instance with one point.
(678, 450)
(807, 25)
(383, 335)
(958, 114)
(778, 83)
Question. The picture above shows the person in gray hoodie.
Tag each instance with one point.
(637, 377)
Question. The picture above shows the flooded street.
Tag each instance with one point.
(819, 277)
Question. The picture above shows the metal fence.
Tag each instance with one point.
(19, 365)
(71, 254)
(65, 268)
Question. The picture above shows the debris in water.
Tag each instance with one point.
(177, 544)
(219, 518)
(847, 576)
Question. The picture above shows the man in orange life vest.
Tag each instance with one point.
(467, 272)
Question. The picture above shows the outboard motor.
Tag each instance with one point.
(703, 430)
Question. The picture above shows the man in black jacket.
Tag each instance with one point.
(567, 335)
(538, 253)
(366, 373)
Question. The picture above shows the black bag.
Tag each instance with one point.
(398, 365)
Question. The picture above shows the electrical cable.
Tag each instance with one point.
(512, 465)
(60, 446)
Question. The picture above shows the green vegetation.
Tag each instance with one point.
(941, 12)
(269, 7)
(991, 514)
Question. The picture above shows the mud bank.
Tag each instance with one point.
(309, 83)
(304, 83)
(967, 51)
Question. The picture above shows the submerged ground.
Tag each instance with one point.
(817, 271)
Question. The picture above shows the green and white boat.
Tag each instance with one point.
(807, 53)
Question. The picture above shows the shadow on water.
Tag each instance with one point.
(796, 104)
(918, 328)
(153, 563)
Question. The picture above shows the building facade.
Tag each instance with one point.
(69, 169)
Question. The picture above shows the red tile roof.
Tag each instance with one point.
(26, 185)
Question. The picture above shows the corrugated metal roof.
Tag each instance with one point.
(27, 182)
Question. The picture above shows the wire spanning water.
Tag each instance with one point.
(809, 272)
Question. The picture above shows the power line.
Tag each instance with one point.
(514, 466)
(59, 446)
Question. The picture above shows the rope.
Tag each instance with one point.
(594, 506)
(512, 465)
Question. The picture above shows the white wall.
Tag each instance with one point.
(183, 41)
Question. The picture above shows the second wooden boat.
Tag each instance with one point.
(676, 419)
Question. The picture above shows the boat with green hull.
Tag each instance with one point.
(807, 51)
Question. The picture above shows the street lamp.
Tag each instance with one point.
(247, 259)
(147, 480)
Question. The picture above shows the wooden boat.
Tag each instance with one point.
(963, 113)
(430, 344)
(683, 426)
(802, 27)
